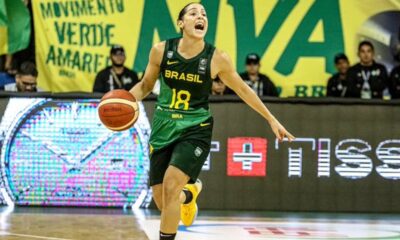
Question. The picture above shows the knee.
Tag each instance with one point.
(171, 190)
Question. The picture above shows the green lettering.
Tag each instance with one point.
(64, 7)
(328, 12)
(98, 34)
(247, 40)
(46, 10)
(212, 7)
(71, 33)
(76, 61)
(109, 34)
(63, 59)
(301, 91)
(101, 5)
(87, 59)
(60, 30)
(81, 8)
(164, 25)
(91, 8)
(318, 91)
(85, 38)
(99, 63)
(51, 56)
(56, 9)
(120, 5)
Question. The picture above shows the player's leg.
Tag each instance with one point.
(159, 162)
(157, 195)
(158, 192)
(189, 155)
(174, 181)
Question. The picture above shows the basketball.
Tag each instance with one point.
(118, 110)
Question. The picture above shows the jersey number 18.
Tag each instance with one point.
(180, 98)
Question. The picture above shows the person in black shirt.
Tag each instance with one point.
(367, 79)
(116, 76)
(260, 83)
(395, 82)
(337, 84)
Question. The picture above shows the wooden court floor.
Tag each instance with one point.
(104, 224)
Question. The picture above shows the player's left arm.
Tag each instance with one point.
(223, 67)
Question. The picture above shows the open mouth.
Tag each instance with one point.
(199, 26)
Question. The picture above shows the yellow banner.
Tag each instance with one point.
(297, 40)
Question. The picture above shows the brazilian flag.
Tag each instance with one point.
(15, 28)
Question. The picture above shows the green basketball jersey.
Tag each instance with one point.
(185, 83)
(183, 100)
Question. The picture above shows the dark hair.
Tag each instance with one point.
(27, 68)
(340, 56)
(183, 12)
(365, 43)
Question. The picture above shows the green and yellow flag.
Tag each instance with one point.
(15, 27)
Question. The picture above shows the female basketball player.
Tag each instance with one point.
(182, 125)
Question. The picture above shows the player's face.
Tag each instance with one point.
(195, 22)
(342, 66)
(366, 54)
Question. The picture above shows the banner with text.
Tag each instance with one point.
(296, 40)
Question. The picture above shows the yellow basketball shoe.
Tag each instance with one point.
(189, 210)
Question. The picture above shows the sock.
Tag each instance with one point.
(167, 236)
(189, 196)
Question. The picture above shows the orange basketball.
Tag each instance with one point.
(118, 110)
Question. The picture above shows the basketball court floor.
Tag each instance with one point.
(115, 224)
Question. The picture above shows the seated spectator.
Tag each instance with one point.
(395, 82)
(337, 84)
(116, 76)
(260, 83)
(367, 79)
(218, 87)
(24, 81)
(5, 79)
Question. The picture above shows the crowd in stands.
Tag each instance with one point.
(367, 79)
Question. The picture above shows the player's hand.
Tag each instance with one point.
(279, 131)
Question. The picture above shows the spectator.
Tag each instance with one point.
(367, 79)
(116, 76)
(260, 83)
(5, 79)
(395, 82)
(25, 79)
(218, 87)
(337, 84)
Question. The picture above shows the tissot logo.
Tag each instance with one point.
(247, 156)
(356, 157)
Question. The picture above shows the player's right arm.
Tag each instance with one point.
(144, 87)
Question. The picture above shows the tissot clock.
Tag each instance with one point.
(56, 152)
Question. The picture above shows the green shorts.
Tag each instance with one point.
(188, 151)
